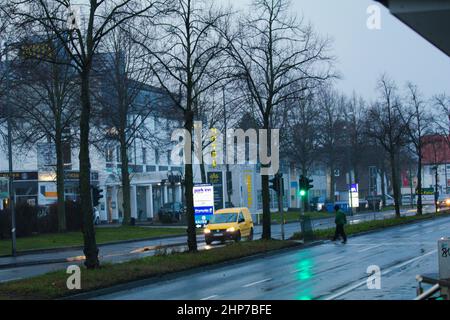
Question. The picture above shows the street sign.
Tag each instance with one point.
(353, 195)
(203, 203)
(444, 258)
(4, 188)
(216, 180)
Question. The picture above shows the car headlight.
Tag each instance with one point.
(232, 229)
(447, 201)
(207, 231)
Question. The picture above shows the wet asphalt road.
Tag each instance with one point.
(135, 250)
(328, 271)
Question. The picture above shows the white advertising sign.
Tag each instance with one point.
(203, 203)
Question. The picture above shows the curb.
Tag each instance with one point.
(362, 233)
(178, 274)
(64, 260)
(64, 249)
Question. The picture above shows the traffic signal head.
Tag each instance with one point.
(305, 185)
(96, 196)
(274, 184)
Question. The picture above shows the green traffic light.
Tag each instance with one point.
(302, 192)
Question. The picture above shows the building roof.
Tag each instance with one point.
(436, 149)
(430, 19)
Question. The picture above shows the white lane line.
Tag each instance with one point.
(429, 231)
(363, 282)
(427, 224)
(210, 297)
(443, 228)
(410, 228)
(256, 282)
(369, 248)
(334, 259)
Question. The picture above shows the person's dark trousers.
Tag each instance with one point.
(340, 232)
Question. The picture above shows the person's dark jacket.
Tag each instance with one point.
(340, 219)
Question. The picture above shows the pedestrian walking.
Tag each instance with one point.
(340, 221)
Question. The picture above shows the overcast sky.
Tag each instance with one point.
(363, 54)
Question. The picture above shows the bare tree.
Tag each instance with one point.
(184, 51)
(331, 126)
(273, 51)
(124, 101)
(80, 40)
(384, 124)
(418, 124)
(45, 100)
(302, 130)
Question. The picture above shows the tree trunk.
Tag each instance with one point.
(419, 184)
(266, 232)
(332, 180)
(60, 178)
(125, 180)
(90, 245)
(395, 184)
(383, 185)
(203, 172)
(189, 184)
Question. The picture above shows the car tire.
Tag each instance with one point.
(250, 237)
(208, 242)
(238, 237)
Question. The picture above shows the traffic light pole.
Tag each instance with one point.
(10, 169)
(280, 204)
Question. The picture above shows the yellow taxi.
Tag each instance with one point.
(229, 224)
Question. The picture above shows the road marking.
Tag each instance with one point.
(430, 231)
(255, 283)
(427, 224)
(334, 259)
(363, 282)
(410, 228)
(210, 297)
(369, 248)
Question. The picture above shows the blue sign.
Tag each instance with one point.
(353, 187)
(203, 203)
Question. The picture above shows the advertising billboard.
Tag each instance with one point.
(203, 203)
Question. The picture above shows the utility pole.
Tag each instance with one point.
(436, 197)
(11, 178)
(227, 166)
(280, 201)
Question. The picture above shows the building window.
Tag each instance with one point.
(144, 155)
(109, 155)
(168, 157)
(156, 156)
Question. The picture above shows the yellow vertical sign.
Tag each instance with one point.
(248, 179)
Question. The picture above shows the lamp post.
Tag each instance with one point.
(10, 169)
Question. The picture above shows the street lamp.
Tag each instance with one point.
(10, 169)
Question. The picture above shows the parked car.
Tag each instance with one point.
(171, 212)
(229, 224)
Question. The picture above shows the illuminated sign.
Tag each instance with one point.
(203, 203)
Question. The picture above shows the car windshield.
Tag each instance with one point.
(223, 218)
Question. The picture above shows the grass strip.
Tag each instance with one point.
(322, 234)
(103, 236)
(53, 285)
